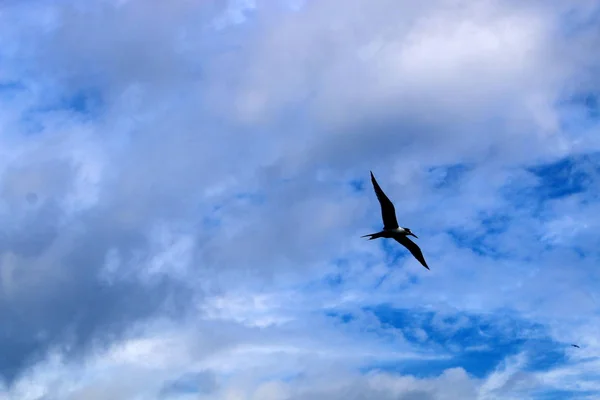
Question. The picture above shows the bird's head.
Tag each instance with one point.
(409, 232)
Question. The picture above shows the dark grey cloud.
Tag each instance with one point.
(53, 257)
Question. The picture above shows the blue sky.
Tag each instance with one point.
(184, 184)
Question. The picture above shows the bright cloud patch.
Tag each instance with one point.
(184, 184)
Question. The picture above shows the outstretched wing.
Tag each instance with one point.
(388, 212)
(413, 248)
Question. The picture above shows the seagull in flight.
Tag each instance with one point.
(391, 229)
(574, 345)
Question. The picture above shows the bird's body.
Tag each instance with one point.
(398, 230)
(574, 345)
(388, 233)
(391, 229)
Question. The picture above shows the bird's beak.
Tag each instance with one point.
(412, 234)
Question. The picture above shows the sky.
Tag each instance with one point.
(184, 184)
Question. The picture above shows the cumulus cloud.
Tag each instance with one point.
(182, 187)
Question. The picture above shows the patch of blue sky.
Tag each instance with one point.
(343, 317)
(394, 251)
(379, 281)
(590, 103)
(564, 394)
(250, 198)
(212, 218)
(480, 242)
(546, 355)
(358, 185)
(446, 176)
(210, 222)
(335, 276)
(477, 344)
(334, 280)
(9, 89)
(398, 256)
(31, 125)
(566, 177)
(179, 388)
(87, 102)
(237, 12)
(541, 185)
(479, 365)
(190, 383)
(338, 273)
(495, 223)
(579, 114)
(296, 5)
(281, 377)
(476, 363)
(574, 23)
(84, 104)
(405, 319)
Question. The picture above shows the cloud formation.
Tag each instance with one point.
(183, 187)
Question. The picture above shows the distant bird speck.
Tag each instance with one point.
(391, 229)
(574, 345)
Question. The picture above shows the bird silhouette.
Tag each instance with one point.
(391, 229)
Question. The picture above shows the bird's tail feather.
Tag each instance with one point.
(372, 235)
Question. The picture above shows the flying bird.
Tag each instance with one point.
(574, 345)
(391, 229)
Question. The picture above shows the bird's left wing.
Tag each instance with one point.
(388, 212)
(413, 248)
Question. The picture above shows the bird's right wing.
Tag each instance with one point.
(388, 212)
(413, 248)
